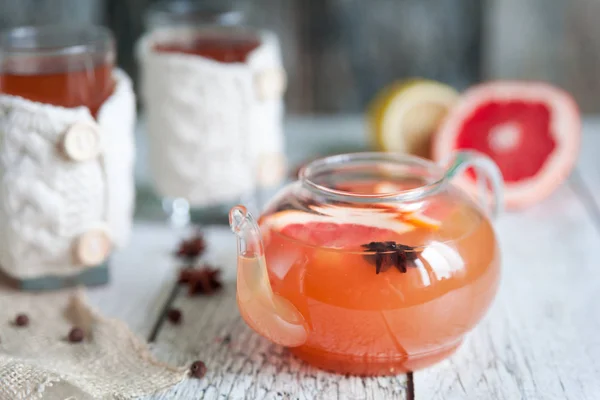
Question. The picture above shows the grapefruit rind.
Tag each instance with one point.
(398, 212)
(422, 221)
(565, 127)
(408, 212)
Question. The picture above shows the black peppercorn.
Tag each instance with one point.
(76, 335)
(198, 369)
(21, 320)
(174, 316)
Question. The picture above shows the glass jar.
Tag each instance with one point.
(66, 66)
(370, 263)
(205, 142)
(212, 30)
(192, 14)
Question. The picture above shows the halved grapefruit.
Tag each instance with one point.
(531, 130)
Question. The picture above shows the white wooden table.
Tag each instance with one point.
(540, 340)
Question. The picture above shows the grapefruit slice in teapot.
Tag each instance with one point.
(531, 130)
(341, 228)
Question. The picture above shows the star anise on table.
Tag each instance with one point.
(201, 280)
(192, 248)
(387, 254)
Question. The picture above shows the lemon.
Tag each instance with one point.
(403, 116)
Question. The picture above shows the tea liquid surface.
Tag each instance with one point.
(62, 86)
(219, 48)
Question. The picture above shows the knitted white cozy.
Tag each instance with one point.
(66, 183)
(215, 129)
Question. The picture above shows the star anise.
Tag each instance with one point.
(203, 280)
(192, 248)
(387, 254)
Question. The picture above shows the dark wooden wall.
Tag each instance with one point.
(30, 12)
(344, 51)
(338, 53)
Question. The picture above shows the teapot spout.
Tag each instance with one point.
(269, 314)
(247, 232)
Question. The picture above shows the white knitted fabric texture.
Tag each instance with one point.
(48, 200)
(38, 362)
(215, 129)
(117, 118)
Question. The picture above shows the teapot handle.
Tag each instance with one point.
(486, 171)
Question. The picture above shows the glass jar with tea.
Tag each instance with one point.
(67, 117)
(208, 81)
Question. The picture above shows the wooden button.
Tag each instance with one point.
(81, 141)
(92, 247)
(270, 84)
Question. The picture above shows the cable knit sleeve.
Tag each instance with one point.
(65, 181)
(214, 129)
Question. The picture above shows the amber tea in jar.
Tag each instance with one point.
(59, 65)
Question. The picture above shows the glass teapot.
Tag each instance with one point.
(371, 263)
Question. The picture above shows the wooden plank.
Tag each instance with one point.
(540, 339)
(142, 277)
(249, 367)
(510, 33)
(578, 64)
(562, 34)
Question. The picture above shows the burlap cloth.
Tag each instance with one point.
(38, 362)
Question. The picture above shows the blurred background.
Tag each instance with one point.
(338, 53)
